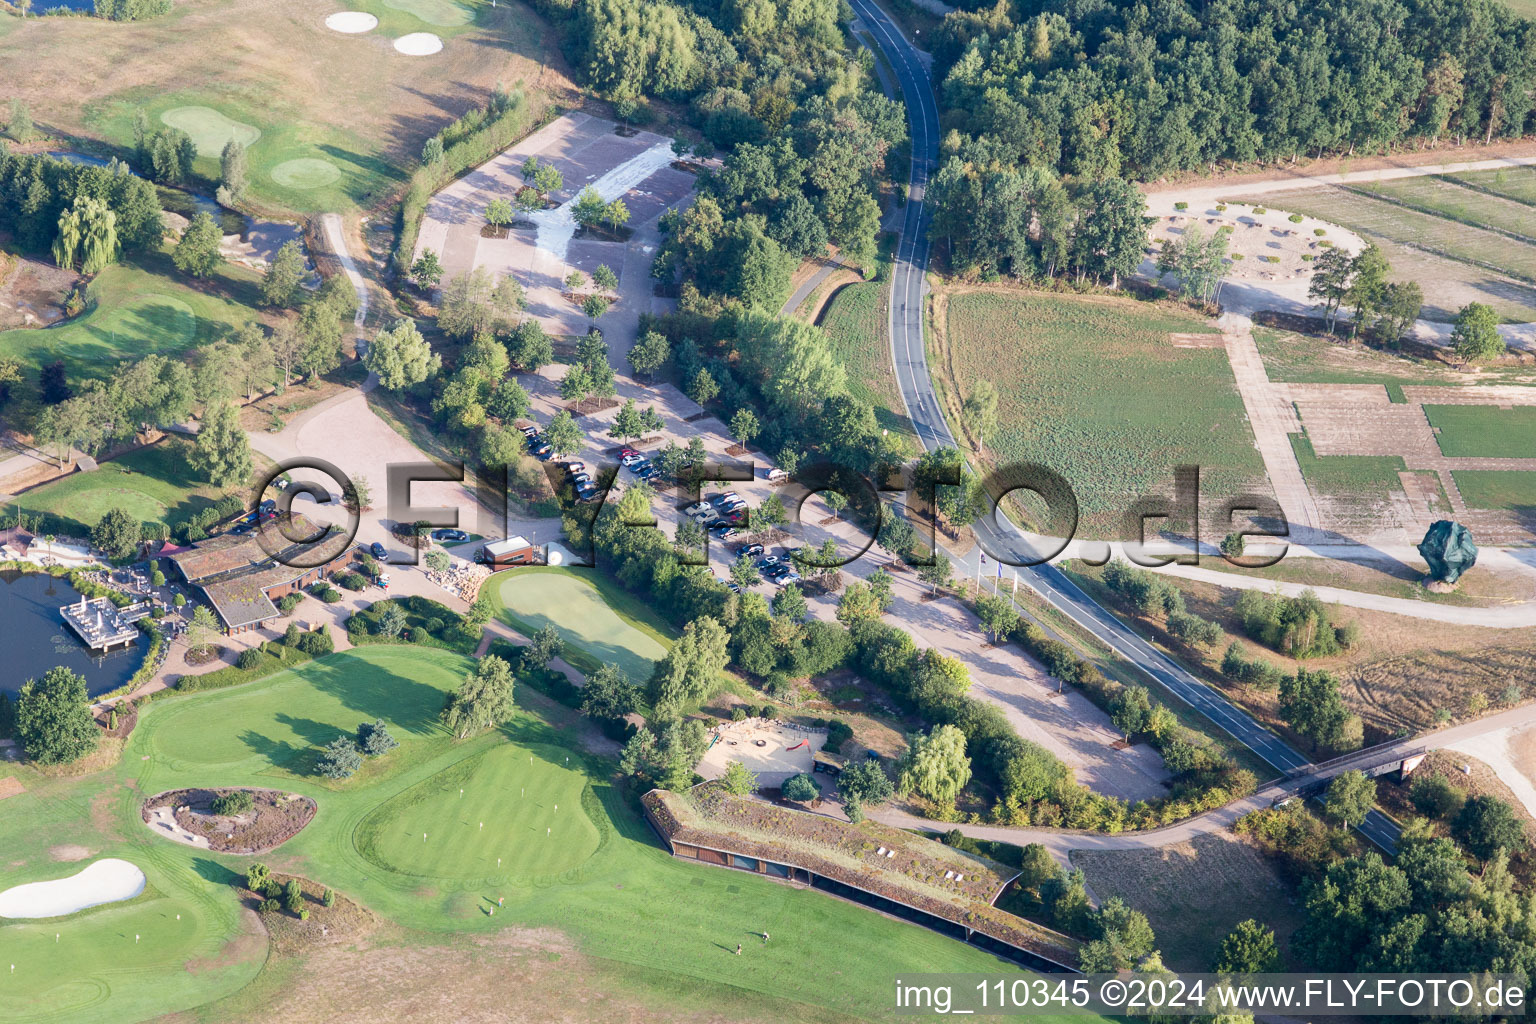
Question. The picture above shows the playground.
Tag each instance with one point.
(591, 613)
(773, 751)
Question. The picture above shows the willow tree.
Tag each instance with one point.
(87, 233)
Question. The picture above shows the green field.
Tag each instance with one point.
(497, 814)
(138, 309)
(1307, 359)
(591, 612)
(439, 13)
(152, 484)
(1091, 388)
(1347, 476)
(1496, 489)
(1484, 431)
(1518, 183)
(1454, 262)
(855, 323)
(209, 129)
(661, 926)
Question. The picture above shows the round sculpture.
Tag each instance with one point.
(1448, 548)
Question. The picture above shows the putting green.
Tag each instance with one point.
(515, 806)
(444, 13)
(305, 173)
(210, 130)
(576, 608)
(283, 722)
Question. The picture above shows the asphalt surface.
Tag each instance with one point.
(996, 535)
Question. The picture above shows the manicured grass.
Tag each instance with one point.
(1090, 387)
(210, 130)
(627, 902)
(855, 323)
(139, 308)
(1496, 489)
(441, 13)
(507, 812)
(1484, 431)
(591, 613)
(1348, 476)
(153, 484)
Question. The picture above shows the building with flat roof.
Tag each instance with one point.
(512, 551)
(242, 576)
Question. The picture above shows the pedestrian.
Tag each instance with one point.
(765, 938)
(738, 949)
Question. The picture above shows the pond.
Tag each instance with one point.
(35, 639)
(44, 6)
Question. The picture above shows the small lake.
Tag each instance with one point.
(44, 6)
(34, 638)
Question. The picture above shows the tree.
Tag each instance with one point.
(738, 779)
(1311, 704)
(197, 253)
(997, 615)
(432, 150)
(563, 435)
(609, 694)
(589, 208)
(790, 603)
(744, 426)
(483, 700)
(293, 896)
(401, 356)
(1475, 337)
(393, 620)
(171, 156)
(863, 782)
(800, 788)
(222, 451)
(1487, 825)
(88, 227)
(605, 278)
(649, 353)
(20, 127)
(1368, 276)
(1331, 274)
(498, 212)
(280, 282)
(858, 602)
(374, 740)
(1351, 795)
(1112, 230)
(233, 174)
(53, 718)
(427, 270)
(339, 759)
(703, 389)
(202, 629)
(744, 573)
(938, 574)
(1125, 940)
(690, 671)
(509, 401)
(1130, 710)
(1248, 949)
(1396, 310)
(1433, 795)
(117, 533)
(544, 646)
(935, 765)
(575, 280)
(594, 306)
(980, 410)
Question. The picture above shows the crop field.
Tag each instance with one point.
(152, 484)
(1442, 197)
(855, 324)
(1308, 359)
(1092, 388)
(1194, 893)
(611, 897)
(591, 613)
(138, 309)
(1455, 263)
(1484, 431)
(1347, 476)
(269, 71)
(1518, 183)
(1497, 489)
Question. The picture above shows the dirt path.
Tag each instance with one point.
(498, 630)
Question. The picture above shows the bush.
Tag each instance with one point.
(350, 580)
(1294, 218)
(329, 898)
(738, 714)
(249, 658)
(1181, 206)
(418, 635)
(1319, 232)
(1221, 207)
(768, 711)
(317, 642)
(230, 804)
(1307, 257)
(325, 592)
(1260, 209)
(1434, 797)
(292, 635)
(801, 788)
(838, 733)
(288, 602)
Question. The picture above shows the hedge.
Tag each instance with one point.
(276, 657)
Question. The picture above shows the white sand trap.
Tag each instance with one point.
(558, 226)
(106, 881)
(351, 22)
(419, 44)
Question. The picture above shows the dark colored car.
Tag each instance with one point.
(749, 551)
(450, 536)
(377, 550)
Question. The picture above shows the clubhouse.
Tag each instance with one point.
(242, 577)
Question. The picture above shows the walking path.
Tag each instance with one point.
(498, 630)
(336, 238)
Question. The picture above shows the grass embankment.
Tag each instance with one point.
(857, 326)
(1091, 387)
(153, 484)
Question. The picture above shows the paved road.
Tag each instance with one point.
(996, 535)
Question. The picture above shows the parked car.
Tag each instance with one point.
(629, 453)
(587, 493)
(631, 460)
(575, 466)
(768, 563)
(534, 440)
(377, 550)
(735, 518)
(530, 431)
(721, 499)
(543, 453)
(748, 551)
(724, 531)
(644, 471)
(449, 536)
(698, 508)
(581, 480)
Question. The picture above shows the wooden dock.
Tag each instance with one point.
(101, 625)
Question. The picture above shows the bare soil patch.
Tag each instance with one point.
(69, 852)
(276, 818)
(10, 786)
(32, 293)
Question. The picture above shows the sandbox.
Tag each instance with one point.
(107, 881)
(773, 751)
(419, 44)
(351, 22)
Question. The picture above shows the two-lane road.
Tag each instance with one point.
(997, 536)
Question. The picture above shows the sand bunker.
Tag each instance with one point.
(418, 44)
(106, 881)
(351, 22)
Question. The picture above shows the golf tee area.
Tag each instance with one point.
(516, 835)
